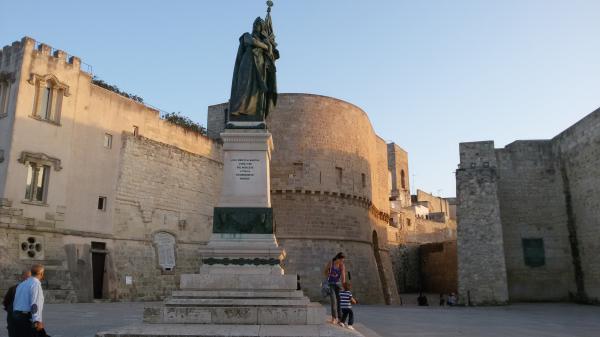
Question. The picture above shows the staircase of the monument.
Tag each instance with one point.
(237, 295)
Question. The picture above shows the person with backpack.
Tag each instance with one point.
(335, 272)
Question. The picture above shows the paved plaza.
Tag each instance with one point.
(522, 320)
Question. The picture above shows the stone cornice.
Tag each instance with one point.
(41, 158)
(33, 78)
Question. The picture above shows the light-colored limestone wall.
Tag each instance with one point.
(398, 164)
(578, 150)
(71, 219)
(323, 134)
(89, 169)
(436, 204)
(532, 206)
(10, 72)
(163, 188)
(312, 204)
(481, 264)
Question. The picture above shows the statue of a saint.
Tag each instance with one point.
(254, 85)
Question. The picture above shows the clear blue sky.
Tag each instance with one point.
(430, 74)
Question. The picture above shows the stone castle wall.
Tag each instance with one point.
(161, 188)
(578, 152)
(532, 206)
(480, 244)
(546, 191)
(330, 192)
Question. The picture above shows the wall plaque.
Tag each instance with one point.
(165, 250)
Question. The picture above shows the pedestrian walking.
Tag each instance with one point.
(9, 299)
(29, 305)
(335, 271)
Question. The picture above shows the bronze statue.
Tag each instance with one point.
(254, 85)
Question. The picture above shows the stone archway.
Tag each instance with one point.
(387, 297)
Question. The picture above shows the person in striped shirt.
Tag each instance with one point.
(346, 301)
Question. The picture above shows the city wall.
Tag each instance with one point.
(547, 194)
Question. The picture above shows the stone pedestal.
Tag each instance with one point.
(240, 282)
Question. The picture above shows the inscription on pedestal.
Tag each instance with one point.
(244, 169)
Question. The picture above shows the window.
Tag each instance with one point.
(136, 131)
(4, 94)
(339, 175)
(298, 170)
(37, 182)
(403, 179)
(102, 203)
(48, 101)
(534, 252)
(407, 222)
(363, 178)
(108, 140)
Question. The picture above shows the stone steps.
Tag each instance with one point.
(237, 282)
(237, 294)
(245, 302)
(306, 314)
(188, 330)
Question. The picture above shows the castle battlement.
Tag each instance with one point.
(11, 53)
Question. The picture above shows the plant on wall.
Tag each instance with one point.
(97, 81)
(185, 122)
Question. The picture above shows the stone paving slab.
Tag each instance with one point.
(208, 330)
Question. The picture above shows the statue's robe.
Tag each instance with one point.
(254, 88)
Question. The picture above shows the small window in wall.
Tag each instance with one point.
(403, 179)
(4, 93)
(534, 252)
(339, 174)
(407, 222)
(102, 203)
(363, 178)
(136, 130)
(108, 140)
(298, 170)
(37, 182)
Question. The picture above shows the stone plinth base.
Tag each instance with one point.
(206, 330)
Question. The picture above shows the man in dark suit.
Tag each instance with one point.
(9, 298)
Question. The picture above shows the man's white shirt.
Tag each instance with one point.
(29, 297)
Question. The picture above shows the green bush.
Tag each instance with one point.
(178, 119)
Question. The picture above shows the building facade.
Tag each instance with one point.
(529, 218)
(95, 185)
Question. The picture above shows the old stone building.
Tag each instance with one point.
(93, 184)
(529, 218)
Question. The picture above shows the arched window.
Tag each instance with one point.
(403, 179)
(49, 93)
